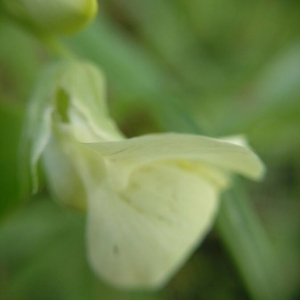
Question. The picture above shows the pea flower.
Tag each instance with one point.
(149, 200)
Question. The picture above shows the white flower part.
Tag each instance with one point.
(157, 203)
(236, 139)
(221, 156)
(140, 237)
(150, 200)
(63, 180)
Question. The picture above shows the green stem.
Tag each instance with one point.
(54, 47)
(249, 246)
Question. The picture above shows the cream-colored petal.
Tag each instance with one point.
(140, 237)
(37, 128)
(157, 147)
(240, 140)
(70, 94)
(62, 177)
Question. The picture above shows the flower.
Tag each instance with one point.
(150, 200)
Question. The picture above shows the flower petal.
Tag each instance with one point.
(140, 237)
(37, 129)
(240, 140)
(69, 94)
(157, 147)
(62, 177)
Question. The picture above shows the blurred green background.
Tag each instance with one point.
(203, 66)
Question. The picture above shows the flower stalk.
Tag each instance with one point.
(249, 246)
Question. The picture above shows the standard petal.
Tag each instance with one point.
(140, 237)
(157, 147)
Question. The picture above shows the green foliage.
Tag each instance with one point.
(10, 127)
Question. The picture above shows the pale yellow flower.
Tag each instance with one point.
(150, 200)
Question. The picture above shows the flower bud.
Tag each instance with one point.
(55, 16)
